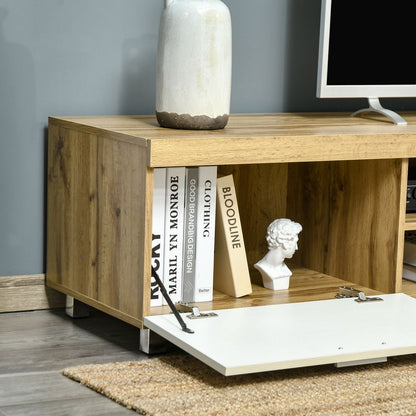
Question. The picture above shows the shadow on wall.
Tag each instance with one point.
(138, 90)
(19, 157)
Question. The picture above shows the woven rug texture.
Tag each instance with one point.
(182, 385)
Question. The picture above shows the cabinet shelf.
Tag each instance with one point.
(305, 285)
(410, 222)
(409, 288)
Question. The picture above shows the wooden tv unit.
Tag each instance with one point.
(344, 179)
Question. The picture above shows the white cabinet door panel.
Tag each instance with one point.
(265, 338)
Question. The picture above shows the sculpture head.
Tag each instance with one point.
(283, 233)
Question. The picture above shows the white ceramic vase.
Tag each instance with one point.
(193, 85)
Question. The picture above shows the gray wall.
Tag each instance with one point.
(84, 57)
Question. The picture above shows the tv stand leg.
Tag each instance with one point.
(152, 343)
(375, 106)
(76, 309)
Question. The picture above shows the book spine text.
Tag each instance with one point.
(174, 220)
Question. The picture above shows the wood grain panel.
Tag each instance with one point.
(122, 186)
(260, 138)
(99, 222)
(72, 210)
(401, 228)
(350, 212)
(279, 147)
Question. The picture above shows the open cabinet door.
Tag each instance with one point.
(265, 338)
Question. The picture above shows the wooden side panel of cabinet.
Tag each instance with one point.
(99, 222)
(72, 211)
(124, 195)
(352, 214)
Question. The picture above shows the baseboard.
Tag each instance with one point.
(28, 293)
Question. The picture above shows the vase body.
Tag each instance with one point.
(193, 85)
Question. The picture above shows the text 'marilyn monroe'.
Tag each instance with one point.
(173, 237)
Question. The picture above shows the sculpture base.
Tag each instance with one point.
(188, 122)
(280, 283)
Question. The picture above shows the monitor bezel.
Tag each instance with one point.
(349, 91)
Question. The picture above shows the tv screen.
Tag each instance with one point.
(367, 49)
(369, 43)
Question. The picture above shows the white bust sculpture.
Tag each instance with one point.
(282, 239)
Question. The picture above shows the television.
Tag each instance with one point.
(366, 50)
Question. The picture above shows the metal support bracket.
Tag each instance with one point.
(350, 292)
(171, 305)
(195, 313)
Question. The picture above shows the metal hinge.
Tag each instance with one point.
(195, 313)
(350, 292)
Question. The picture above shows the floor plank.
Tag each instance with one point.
(35, 346)
(37, 387)
(79, 407)
(49, 340)
(50, 393)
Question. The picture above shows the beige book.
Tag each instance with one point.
(231, 275)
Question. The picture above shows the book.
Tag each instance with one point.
(158, 234)
(190, 236)
(231, 275)
(409, 255)
(174, 220)
(205, 241)
(409, 272)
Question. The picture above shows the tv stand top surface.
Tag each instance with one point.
(259, 138)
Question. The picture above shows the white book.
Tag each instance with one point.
(158, 233)
(205, 240)
(174, 220)
(190, 227)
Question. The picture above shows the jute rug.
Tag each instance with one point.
(181, 385)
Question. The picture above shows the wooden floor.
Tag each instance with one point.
(34, 346)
